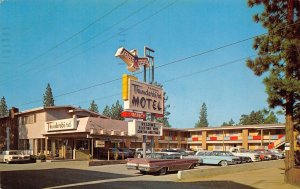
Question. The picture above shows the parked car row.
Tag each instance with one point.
(180, 159)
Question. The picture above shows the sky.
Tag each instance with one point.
(71, 45)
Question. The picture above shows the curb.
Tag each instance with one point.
(199, 173)
(106, 162)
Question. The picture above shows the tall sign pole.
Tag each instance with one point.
(141, 98)
(147, 53)
(144, 145)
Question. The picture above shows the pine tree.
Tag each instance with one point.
(202, 122)
(93, 107)
(116, 110)
(3, 107)
(48, 97)
(271, 118)
(230, 123)
(259, 117)
(279, 57)
(107, 111)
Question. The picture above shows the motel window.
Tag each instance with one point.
(28, 119)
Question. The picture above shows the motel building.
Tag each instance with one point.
(67, 132)
(223, 138)
(246, 136)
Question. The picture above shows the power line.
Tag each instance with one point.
(181, 77)
(74, 35)
(104, 41)
(107, 29)
(117, 79)
(75, 91)
(208, 69)
(173, 62)
(95, 36)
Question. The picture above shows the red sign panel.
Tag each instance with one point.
(159, 115)
(233, 138)
(135, 115)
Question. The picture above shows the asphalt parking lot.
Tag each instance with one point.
(76, 174)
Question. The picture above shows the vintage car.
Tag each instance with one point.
(242, 159)
(127, 152)
(278, 152)
(243, 153)
(139, 152)
(184, 154)
(217, 158)
(11, 156)
(161, 163)
(265, 154)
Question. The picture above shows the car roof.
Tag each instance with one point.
(169, 153)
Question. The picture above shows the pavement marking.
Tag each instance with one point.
(104, 181)
(85, 183)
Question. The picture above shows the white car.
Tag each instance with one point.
(13, 156)
(241, 152)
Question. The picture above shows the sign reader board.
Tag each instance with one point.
(148, 128)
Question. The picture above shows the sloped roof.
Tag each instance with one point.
(61, 107)
(106, 124)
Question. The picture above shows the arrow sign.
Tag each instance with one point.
(131, 59)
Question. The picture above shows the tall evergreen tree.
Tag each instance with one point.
(271, 118)
(255, 117)
(259, 117)
(48, 96)
(3, 107)
(93, 107)
(279, 57)
(230, 123)
(116, 111)
(106, 111)
(202, 122)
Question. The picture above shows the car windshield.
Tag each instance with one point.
(229, 154)
(156, 156)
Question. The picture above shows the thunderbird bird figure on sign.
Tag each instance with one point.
(131, 59)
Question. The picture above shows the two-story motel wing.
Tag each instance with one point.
(73, 133)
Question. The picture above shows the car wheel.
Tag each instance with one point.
(143, 172)
(192, 166)
(163, 171)
(223, 163)
(6, 161)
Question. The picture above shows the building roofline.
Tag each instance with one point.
(256, 126)
(75, 109)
